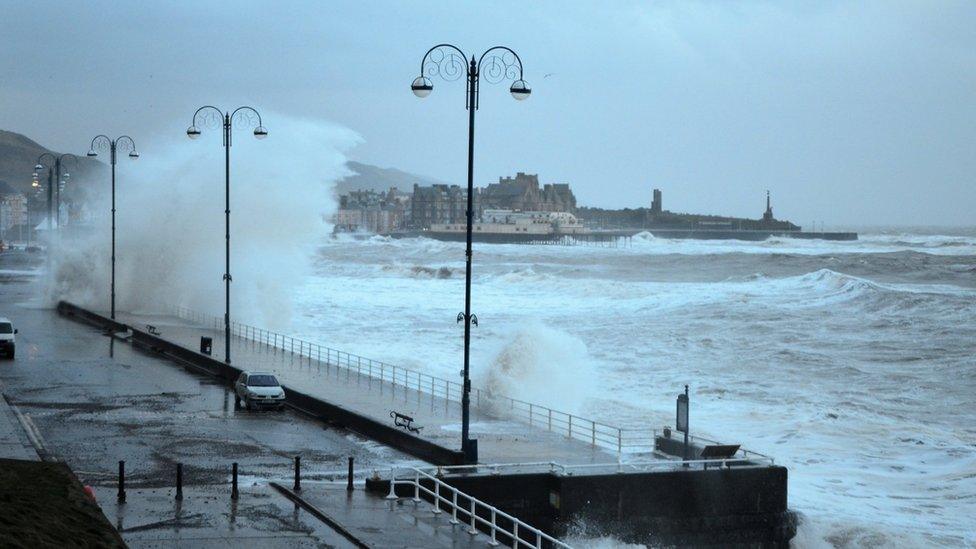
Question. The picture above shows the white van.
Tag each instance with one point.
(7, 334)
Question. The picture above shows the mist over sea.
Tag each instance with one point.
(852, 363)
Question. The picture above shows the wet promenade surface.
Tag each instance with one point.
(94, 401)
(500, 440)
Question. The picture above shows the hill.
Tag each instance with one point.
(374, 178)
(18, 155)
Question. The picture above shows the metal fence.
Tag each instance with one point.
(598, 434)
(474, 512)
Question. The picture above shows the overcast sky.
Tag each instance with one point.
(849, 112)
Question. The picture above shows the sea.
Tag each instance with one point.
(851, 363)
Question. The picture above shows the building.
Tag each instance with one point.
(522, 192)
(13, 208)
(371, 211)
(440, 204)
(517, 222)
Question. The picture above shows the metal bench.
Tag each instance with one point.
(404, 421)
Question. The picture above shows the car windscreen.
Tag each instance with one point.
(262, 381)
(6, 328)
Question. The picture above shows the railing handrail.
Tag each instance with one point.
(471, 510)
(644, 465)
(576, 427)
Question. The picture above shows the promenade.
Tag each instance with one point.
(501, 439)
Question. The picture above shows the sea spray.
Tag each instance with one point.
(542, 365)
(170, 236)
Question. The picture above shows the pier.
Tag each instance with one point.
(542, 466)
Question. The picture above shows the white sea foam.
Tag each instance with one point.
(853, 368)
(170, 245)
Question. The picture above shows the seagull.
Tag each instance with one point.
(548, 75)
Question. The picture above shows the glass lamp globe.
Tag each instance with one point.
(421, 86)
(520, 90)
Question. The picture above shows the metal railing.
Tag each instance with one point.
(619, 467)
(598, 434)
(469, 509)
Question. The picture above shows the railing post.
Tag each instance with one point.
(233, 485)
(570, 425)
(437, 497)
(593, 436)
(538, 539)
(473, 530)
(454, 507)
(550, 419)
(515, 538)
(416, 486)
(494, 527)
(530, 414)
(392, 494)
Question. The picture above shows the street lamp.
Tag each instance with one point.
(212, 117)
(54, 181)
(496, 64)
(125, 144)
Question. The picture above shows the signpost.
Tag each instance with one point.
(681, 421)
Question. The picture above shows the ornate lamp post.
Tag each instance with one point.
(125, 144)
(212, 117)
(496, 64)
(54, 182)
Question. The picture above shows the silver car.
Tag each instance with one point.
(258, 390)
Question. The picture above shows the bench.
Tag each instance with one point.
(404, 421)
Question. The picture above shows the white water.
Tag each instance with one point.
(851, 363)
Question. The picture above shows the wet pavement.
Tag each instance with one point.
(369, 517)
(93, 401)
(500, 440)
(208, 518)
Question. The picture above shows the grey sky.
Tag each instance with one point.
(850, 112)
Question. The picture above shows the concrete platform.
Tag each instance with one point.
(208, 518)
(500, 440)
(383, 523)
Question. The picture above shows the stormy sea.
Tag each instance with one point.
(851, 363)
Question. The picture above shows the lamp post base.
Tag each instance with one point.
(469, 448)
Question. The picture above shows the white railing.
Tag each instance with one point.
(619, 467)
(616, 439)
(444, 494)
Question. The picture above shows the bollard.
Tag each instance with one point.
(233, 489)
(179, 481)
(298, 473)
(121, 481)
(349, 487)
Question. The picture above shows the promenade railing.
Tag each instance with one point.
(616, 439)
(473, 512)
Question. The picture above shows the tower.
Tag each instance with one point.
(768, 216)
(656, 202)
